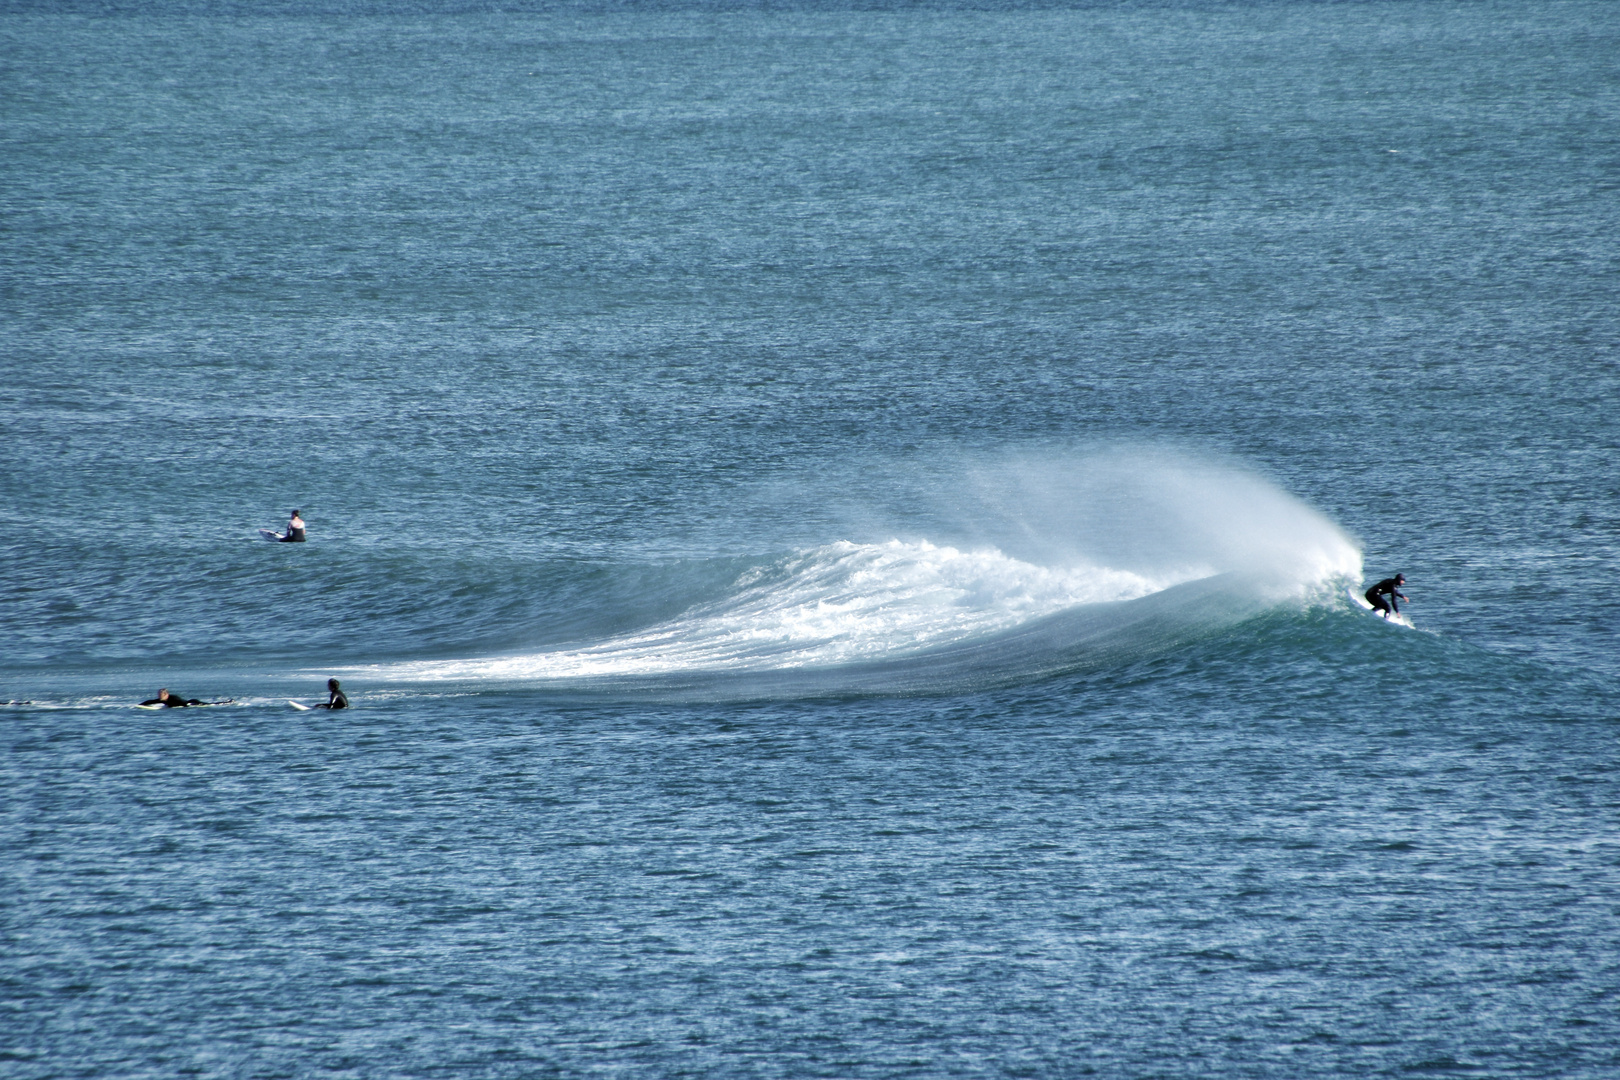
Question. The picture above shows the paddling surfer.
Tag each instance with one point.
(172, 701)
(1389, 587)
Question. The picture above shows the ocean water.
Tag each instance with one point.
(836, 526)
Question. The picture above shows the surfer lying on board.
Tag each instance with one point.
(1388, 587)
(336, 700)
(295, 530)
(172, 701)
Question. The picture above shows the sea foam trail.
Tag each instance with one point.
(838, 604)
(897, 614)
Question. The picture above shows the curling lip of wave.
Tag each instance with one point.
(1139, 552)
(837, 605)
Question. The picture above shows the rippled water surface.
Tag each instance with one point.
(838, 528)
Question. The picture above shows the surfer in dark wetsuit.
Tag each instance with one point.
(1388, 587)
(172, 701)
(295, 530)
(336, 700)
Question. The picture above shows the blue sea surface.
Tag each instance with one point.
(840, 530)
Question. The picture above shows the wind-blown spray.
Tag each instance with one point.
(1044, 563)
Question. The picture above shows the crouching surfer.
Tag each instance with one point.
(335, 697)
(1389, 587)
(172, 701)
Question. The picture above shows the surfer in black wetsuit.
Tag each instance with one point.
(336, 700)
(1388, 587)
(295, 530)
(172, 701)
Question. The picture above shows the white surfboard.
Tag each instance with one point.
(1360, 601)
(271, 535)
(300, 708)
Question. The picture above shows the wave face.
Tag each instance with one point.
(1072, 562)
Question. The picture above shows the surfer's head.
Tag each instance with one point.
(331, 684)
(295, 513)
(1400, 579)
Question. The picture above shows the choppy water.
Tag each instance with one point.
(835, 525)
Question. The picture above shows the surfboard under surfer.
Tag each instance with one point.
(1389, 587)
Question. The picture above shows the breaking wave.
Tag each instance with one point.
(1071, 565)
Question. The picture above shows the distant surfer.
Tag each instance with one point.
(295, 530)
(335, 698)
(172, 701)
(1389, 587)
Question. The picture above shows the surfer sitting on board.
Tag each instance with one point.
(295, 530)
(1388, 587)
(172, 701)
(336, 700)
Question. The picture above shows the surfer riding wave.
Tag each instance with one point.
(1389, 587)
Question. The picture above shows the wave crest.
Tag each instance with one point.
(1121, 556)
(837, 604)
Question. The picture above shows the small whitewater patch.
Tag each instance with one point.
(837, 604)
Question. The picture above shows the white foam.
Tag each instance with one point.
(840, 603)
